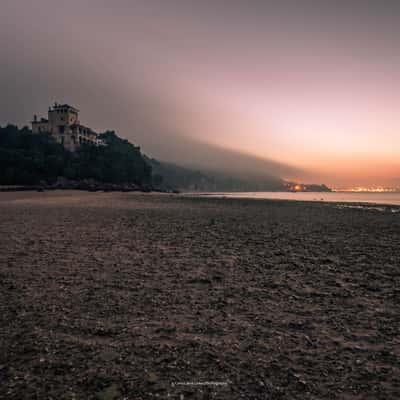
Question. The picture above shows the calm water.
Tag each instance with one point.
(348, 197)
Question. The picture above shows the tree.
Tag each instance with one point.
(27, 158)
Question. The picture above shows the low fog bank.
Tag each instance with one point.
(188, 164)
(208, 158)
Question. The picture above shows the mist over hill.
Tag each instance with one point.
(29, 159)
(192, 179)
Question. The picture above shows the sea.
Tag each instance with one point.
(384, 198)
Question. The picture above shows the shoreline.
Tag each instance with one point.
(362, 205)
(288, 196)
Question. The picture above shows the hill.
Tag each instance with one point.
(29, 159)
(170, 176)
(33, 159)
(183, 178)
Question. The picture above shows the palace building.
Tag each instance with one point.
(64, 126)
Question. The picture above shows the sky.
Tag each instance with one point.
(307, 90)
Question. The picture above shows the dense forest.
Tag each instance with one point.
(27, 159)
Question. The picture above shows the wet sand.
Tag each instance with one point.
(141, 296)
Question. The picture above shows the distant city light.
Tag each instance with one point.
(375, 189)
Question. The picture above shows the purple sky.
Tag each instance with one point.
(312, 87)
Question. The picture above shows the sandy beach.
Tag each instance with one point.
(139, 296)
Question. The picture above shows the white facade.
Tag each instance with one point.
(63, 124)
